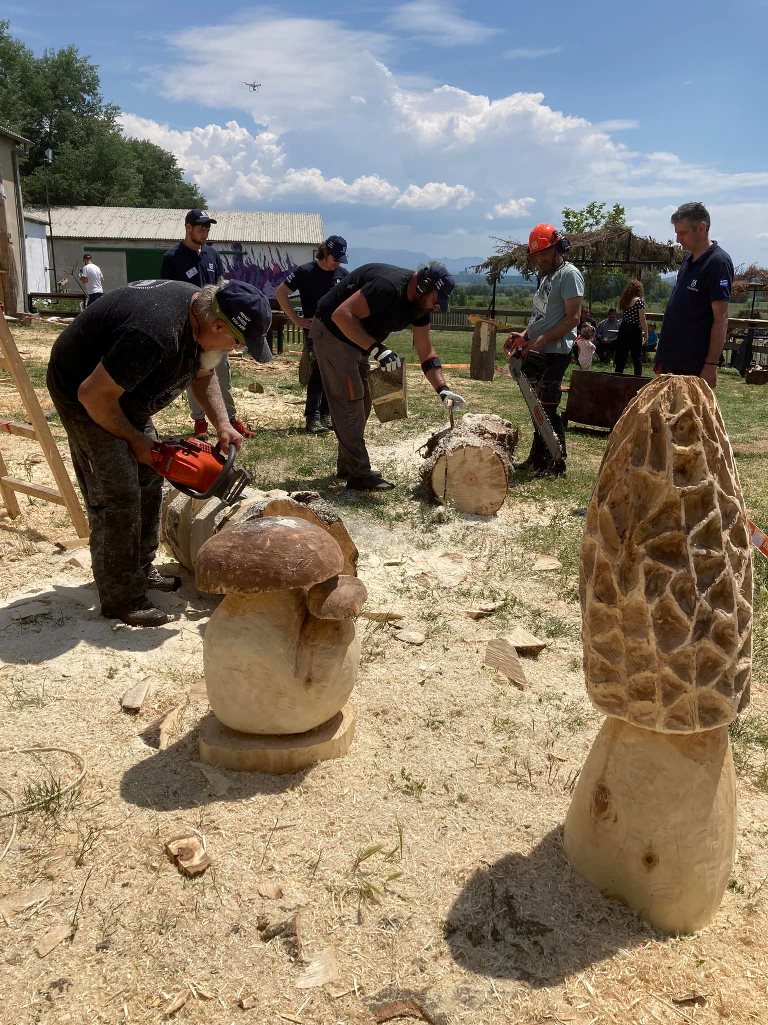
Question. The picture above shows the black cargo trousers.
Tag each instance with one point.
(123, 499)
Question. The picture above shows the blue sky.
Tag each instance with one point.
(434, 126)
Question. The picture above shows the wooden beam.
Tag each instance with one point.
(36, 490)
(14, 427)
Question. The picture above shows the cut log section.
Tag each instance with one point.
(482, 361)
(247, 752)
(389, 393)
(189, 522)
(468, 466)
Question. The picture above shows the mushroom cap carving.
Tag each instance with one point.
(340, 597)
(272, 554)
(666, 570)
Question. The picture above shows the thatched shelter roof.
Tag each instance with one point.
(752, 277)
(607, 247)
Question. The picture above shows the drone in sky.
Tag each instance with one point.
(253, 86)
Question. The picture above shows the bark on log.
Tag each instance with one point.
(482, 362)
(469, 465)
(188, 522)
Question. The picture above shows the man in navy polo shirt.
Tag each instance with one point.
(194, 261)
(312, 280)
(695, 322)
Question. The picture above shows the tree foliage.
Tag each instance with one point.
(55, 101)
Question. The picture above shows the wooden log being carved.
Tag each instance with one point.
(469, 465)
(666, 596)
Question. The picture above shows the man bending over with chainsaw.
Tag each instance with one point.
(120, 361)
(547, 341)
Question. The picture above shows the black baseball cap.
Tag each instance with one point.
(244, 309)
(436, 276)
(337, 247)
(199, 217)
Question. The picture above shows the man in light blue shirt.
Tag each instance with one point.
(547, 341)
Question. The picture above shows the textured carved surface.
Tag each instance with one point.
(666, 572)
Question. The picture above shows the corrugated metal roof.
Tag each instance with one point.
(125, 222)
(12, 135)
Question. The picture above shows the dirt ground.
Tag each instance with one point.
(426, 866)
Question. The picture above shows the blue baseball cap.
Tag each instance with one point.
(337, 247)
(436, 277)
(199, 217)
(244, 309)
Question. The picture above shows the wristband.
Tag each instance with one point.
(433, 363)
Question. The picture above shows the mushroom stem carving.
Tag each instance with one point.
(274, 664)
(666, 597)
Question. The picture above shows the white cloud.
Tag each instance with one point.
(438, 23)
(531, 53)
(435, 196)
(512, 209)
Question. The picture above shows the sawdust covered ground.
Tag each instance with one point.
(427, 865)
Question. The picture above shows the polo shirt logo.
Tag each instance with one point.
(692, 287)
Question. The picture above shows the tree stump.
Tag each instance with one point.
(468, 466)
(482, 362)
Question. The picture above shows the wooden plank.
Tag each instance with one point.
(66, 491)
(36, 490)
(22, 430)
(9, 497)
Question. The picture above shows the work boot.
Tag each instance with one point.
(551, 470)
(242, 429)
(156, 581)
(326, 421)
(140, 612)
(342, 474)
(315, 427)
(370, 482)
(201, 429)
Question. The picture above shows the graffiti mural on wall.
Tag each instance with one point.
(263, 266)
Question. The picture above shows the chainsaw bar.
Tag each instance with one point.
(540, 419)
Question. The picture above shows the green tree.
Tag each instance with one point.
(592, 217)
(55, 101)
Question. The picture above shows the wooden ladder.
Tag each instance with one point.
(39, 431)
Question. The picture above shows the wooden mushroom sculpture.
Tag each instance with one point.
(281, 652)
(666, 597)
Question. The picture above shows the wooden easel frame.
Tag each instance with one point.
(39, 431)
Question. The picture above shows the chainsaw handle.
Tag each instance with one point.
(226, 466)
(230, 457)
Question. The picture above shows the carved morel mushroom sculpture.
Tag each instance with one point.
(281, 652)
(666, 597)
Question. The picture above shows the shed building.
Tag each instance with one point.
(128, 243)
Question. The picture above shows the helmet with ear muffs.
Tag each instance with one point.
(545, 236)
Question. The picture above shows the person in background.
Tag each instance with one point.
(634, 328)
(351, 326)
(652, 341)
(194, 261)
(585, 347)
(547, 342)
(312, 280)
(695, 324)
(93, 280)
(606, 336)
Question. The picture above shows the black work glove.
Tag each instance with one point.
(387, 359)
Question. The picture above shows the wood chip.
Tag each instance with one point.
(484, 610)
(256, 387)
(289, 1017)
(249, 1002)
(176, 1004)
(288, 929)
(135, 697)
(410, 637)
(157, 734)
(270, 889)
(401, 1009)
(188, 854)
(321, 969)
(500, 655)
(545, 563)
(690, 999)
(15, 903)
(81, 559)
(217, 781)
(50, 940)
(524, 642)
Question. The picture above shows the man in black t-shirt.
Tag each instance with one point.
(350, 326)
(194, 261)
(120, 361)
(695, 324)
(312, 280)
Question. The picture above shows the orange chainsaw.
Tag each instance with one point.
(198, 469)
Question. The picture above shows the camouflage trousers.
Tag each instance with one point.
(122, 498)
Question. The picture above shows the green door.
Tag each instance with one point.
(143, 264)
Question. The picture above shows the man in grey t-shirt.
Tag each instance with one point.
(547, 341)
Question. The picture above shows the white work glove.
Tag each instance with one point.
(447, 396)
(387, 359)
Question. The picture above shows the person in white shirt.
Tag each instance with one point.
(93, 279)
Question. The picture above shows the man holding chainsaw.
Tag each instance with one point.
(546, 343)
(120, 361)
(350, 327)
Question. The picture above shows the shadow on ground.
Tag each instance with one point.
(530, 917)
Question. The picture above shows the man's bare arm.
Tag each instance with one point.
(347, 318)
(422, 342)
(100, 395)
(717, 337)
(283, 297)
(207, 391)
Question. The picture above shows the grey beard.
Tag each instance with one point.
(210, 358)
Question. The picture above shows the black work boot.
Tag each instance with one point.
(140, 612)
(316, 427)
(156, 581)
(369, 482)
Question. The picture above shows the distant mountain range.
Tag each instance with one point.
(459, 266)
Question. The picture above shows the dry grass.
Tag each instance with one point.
(429, 859)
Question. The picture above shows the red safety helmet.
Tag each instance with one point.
(543, 236)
